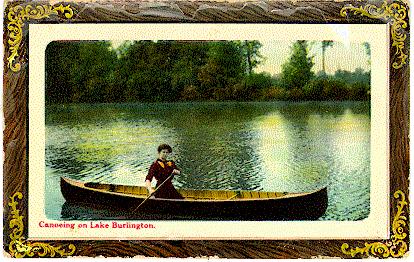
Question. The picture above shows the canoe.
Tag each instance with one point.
(199, 204)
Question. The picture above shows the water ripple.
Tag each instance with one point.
(289, 147)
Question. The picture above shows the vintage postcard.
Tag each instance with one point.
(165, 121)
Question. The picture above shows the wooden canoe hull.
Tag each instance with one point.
(304, 207)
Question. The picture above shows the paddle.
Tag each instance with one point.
(238, 193)
(145, 200)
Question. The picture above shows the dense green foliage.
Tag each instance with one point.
(79, 72)
(297, 71)
(151, 71)
(251, 53)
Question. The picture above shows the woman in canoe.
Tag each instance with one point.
(160, 170)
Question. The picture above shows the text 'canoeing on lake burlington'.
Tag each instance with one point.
(98, 225)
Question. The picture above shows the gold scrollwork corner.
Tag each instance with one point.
(20, 248)
(394, 13)
(395, 247)
(17, 15)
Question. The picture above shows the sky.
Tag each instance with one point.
(339, 56)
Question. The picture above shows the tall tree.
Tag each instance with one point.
(61, 61)
(325, 45)
(191, 57)
(251, 52)
(368, 51)
(78, 71)
(224, 67)
(297, 71)
(92, 73)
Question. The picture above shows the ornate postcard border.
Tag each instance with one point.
(18, 14)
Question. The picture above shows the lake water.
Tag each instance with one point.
(262, 146)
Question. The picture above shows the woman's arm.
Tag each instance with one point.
(176, 170)
(149, 177)
(149, 187)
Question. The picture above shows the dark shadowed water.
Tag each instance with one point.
(262, 146)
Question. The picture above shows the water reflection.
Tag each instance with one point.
(351, 145)
(109, 151)
(217, 145)
(265, 146)
(272, 138)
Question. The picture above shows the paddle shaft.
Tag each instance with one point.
(145, 200)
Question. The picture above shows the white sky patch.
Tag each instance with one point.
(116, 43)
(276, 53)
(343, 32)
(344, 57)
(340, 56)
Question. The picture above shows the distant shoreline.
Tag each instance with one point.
(210, 101)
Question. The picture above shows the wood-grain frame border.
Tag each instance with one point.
(17, 16)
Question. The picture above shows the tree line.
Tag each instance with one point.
(298, 82)
(159, 71)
